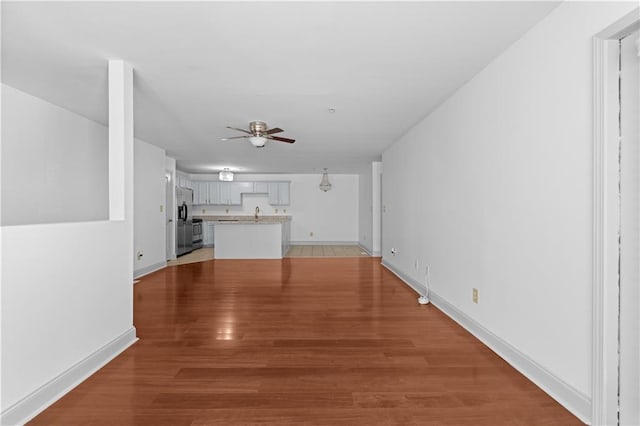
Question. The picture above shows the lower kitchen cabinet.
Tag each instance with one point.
(208, 231)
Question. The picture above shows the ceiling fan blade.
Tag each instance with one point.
(235, 137)
(240, 130)
(277, 138)
(274, 130)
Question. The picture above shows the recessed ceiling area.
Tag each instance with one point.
(202, 66)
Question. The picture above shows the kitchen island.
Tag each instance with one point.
(245, 237)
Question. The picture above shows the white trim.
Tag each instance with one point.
(138, 273)
(604, 372)
(415, 285)
(36, 402)
(569, 397)
(364, 249)
(369, 252)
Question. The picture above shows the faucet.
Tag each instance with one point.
(257, 211)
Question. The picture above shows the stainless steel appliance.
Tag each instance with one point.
(184, 225)
(197, 233)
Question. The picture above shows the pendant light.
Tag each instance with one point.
(225, 175)
(324, 183)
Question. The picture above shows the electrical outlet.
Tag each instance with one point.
(161, 208)
(311, 234)
(393, 251)
(475, 295)
(139, 255)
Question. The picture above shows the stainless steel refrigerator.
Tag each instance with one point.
(184, 228)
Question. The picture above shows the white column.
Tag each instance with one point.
(120, 140)
(121, 150)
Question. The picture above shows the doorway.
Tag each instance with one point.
(629, 178)
(169, 212)
(616, 273)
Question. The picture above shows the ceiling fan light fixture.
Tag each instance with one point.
(225, 175)
(258, 141)
(324, 183)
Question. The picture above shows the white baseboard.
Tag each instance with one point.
(369, 251)
(36, 402)
(415, 285)
(324, 243)
(573, 400)
(149, 269)
(364, 249)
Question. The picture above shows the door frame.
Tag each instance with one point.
(604, 401)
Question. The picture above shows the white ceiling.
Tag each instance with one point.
(201, 66)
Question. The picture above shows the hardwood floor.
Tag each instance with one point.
(317, 341)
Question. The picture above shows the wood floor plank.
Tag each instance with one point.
(313, 341)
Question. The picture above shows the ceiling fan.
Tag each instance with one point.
(258, 134)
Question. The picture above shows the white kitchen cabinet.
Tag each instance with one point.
(243, 187)
(279, 193)
(205, 234)
(205, 193)
(200, 193)
(183, 182)
(284, 193)
(236, 189)
(230, 193)
(214, 192)
(260, 187)
(224, 195)
(208, 233)
(196, 193)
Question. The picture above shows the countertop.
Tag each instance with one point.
(227, 219)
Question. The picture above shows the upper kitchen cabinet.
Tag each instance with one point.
(279, 193)
(242, 187)
(183, 182)
(230, 193)
(201, 193)
(260, 187)
(216, 193)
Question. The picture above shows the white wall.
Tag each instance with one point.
(376, 202)
(365, 204)
(55, 164)
(332, 216)
(66, 287)
(148, 207)
(494, 191)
